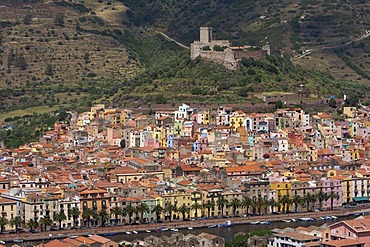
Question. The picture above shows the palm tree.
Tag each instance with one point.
(169, 208)
(221, 203)
(86, 214)
(246, 203)
(31, 224)
(158, 209)
(183, 209)
(142, 208)
(308, 198)
(44, 222)
(208, 205)
(234, 204)
(297, 200)
(265, 205)
(130, 210)
(333, 195)
(285, 201)
(75, 213)
(94, 217)
(272, 203)
(16, 222)
(116, 211)
(196, 206)
(321, 197)
(103, 215)
(3, 222)
(60, 217)
(259, 204)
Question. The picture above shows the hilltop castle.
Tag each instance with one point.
(221, 51)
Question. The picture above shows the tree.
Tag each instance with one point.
(16, 222)
(75, 213)
(31, 224)
(196, 206)
(86, 214)
(11, 57)
(116, 211)
(27, 19)
(285, 201)
(332, 103)
(49, 70)
(297, 200)
(332, 195)
(59, 20)
(44, 222)
(87, 57)
(308, 198)
(158, 209)
(246, 203)
(60, 217)
(279, 104)
(321, 197)
(208, 205)
(260, 204)
(234, 204)
(3, 222)
(130, 210)
(169, 208)
(273, 204)
(20, 62)
(221, 203)
(103, 216)
(142, 208)
(183, 209)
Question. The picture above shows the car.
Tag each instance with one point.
(160, 221)
(2, 242)
(82, 227)
(33, 231)
(53, 229)
(12, 232)
(317, 210)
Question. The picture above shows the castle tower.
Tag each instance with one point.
(205, 34)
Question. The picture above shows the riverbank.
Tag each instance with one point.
(48, 235)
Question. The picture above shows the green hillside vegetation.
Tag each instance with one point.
(170, 76)
(46, 58)
(292, 26)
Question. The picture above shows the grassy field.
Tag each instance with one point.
(28, 111)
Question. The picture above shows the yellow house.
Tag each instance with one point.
(237, 120)
(350, 111)
(8, 210)
(281, 189)
(177, 199)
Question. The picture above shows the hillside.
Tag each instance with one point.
(75, 53)
(51, 52)
(292, 26)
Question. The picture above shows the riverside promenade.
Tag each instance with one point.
(46, 235)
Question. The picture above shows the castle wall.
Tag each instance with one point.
(259, 54)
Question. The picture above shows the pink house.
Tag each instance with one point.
(357, 230)
(328, 185)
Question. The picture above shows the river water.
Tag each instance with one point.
(229, 232)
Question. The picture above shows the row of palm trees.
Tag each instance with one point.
(258, 206)
(93, 216)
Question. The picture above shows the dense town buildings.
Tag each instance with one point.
(114, 166)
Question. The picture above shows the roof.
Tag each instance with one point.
(344, 242)
(357, 225)
(56, 243)
(298, 236)
(100, 239)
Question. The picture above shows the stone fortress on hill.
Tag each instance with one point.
(221, 51)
